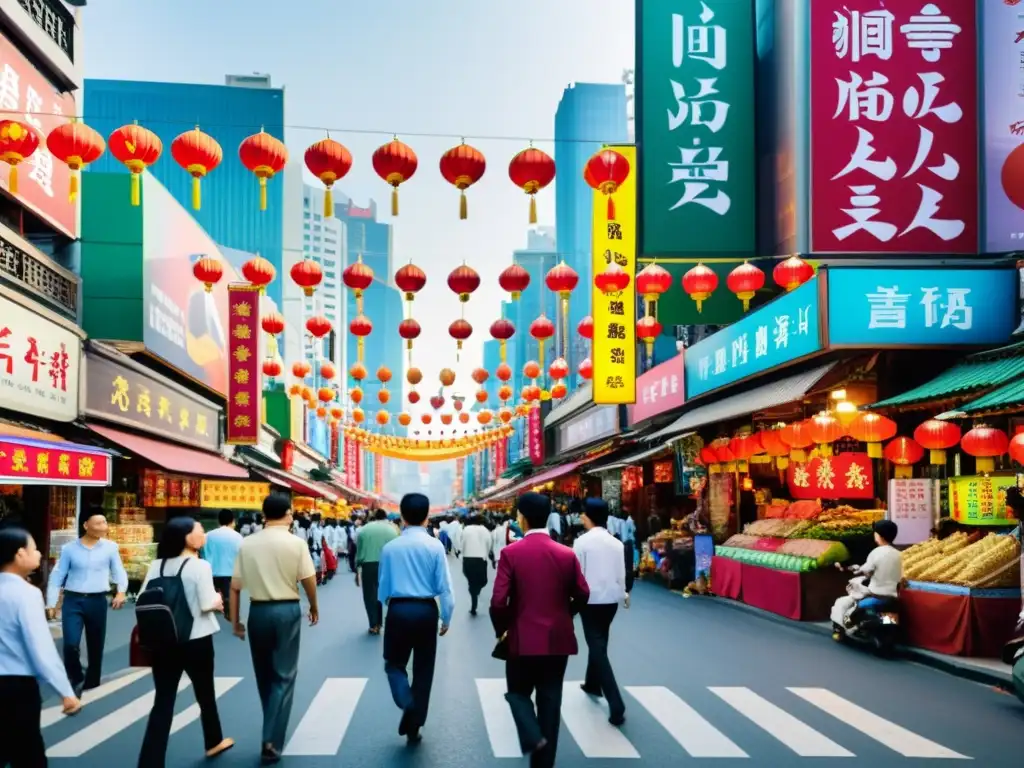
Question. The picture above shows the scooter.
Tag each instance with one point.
(875, 621)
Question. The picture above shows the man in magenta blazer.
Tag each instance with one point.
(538, 589)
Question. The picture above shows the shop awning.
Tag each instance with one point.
(635, 458)
(973, 376)
(758, 399)
(29, 457)
(295, 483)
(538, 479)
(173, 458)
(1009, 397)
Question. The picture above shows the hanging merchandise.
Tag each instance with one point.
(462, 167)
(699, 283)
(197, 153)
(76, 145)
(136, 148)
(264, 156)
(329, 161)
(396, 163)
(531, 170)
(745, 281)
(515, 280)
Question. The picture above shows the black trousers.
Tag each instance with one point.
(352, 557)
(597, 622)
(411, 630)
(223, 585)
(370, 581)
(86, 613)
(543, 675)
(21, 737)
(194, 658)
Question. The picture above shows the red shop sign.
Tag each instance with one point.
(245, 377)
(894, 126)
(845, 476)
(34, 463)
(536, 437)
(659, 390)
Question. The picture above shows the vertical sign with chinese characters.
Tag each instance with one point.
(378, 473)
(614, 344)
(349, 449)
(913, 506)
(245, 386)
(695, 62)
(535, 435)
(894, 128)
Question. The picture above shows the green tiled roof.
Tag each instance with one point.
(1010, 396)
(978, 372)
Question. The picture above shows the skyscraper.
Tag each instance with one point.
(324, 241)
(230, 211)
(539, 256)
(588, 116)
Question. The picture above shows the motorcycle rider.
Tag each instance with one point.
(880, 576)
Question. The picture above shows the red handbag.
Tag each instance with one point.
(138, 656)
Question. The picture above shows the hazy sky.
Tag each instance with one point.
(366, 70)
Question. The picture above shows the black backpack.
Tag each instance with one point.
(162, 611)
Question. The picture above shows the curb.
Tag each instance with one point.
(952, 665)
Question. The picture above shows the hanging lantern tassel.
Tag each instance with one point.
(937, 458)
(875, 451)
(73, 187)
(985, 464)
(501, 350)
(359, 349)
(463, 205)
(904, 471)
(263, 193)
(328, 202)
(611, 208)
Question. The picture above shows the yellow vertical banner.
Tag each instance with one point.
(614, 241)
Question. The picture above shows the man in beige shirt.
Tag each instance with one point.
(270, 566)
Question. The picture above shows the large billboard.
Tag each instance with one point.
(27, 95)
(894, 128)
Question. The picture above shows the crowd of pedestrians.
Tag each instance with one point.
(275, 558)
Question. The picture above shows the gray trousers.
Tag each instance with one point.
(274, 630)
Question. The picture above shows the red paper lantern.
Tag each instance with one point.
(383, 374)
(198, 153)
(873, 429)
(462, 167)
(272, 323)
(272, 367)
(1016, 448)
(985, 444)
(514, 279)
(558, 369)
(307, 274)
(327, 371)
(396, 163)
(357, 371)
(259, 272)
(413, 397)
(447, 378)
(504, 392)
(383, 396)
(301, 369)
(414, 376)
(460, 330)
(699, 283)
(798, 437)
(76, 145)
(745, 446)
(358, 416)
(531, 170)
(708, 456)
(605, 172)
(383, 417)
(792, 273)
(586, 327)
(337, 412)
(463, 280)
(903, 452)
(410, 279)
(613, 279)
(586, 369)
(503, 372)
(481, 396)
(937, 436)
(502, 329)
(409, 329)
(136, 148)
(480, 375)
(321, 412)
(648, 329)
(325, 394)
(531, 369)
(562, 279)
(264, 156)
(360, 326)
(356, 394)
(745, 281)
(357, 277)
(404, 419)
(208, 271)
(652, 281)
(542, 329)
(559, 390)
(485, 417)
(464, 417)
(825, 429)
(773, 443)
(318, 326)
(329, 161)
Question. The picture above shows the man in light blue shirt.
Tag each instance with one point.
(220, 551)
(84, 571)
(413, 574)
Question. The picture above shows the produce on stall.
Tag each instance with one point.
(132, 534)
(975, 560)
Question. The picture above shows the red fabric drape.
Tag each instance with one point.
(726, 577)
(958, 625)
(771, 590)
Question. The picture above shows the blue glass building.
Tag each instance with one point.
(492, 359)
(539, 256)
(230, 211)
(588, 116)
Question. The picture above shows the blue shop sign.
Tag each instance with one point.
(921, 307)
(780, 332)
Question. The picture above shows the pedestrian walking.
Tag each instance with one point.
(27, 655)
(330, 548)
(372, 539)
(455, 534)
(413, 575)
(353, 546)
(270, 566)
(538, 589)
(85, 569)
(183, 612)
(220, 551)
(477, 550)
(603, 561)
(554, 525)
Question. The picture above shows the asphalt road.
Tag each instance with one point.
(706, 684)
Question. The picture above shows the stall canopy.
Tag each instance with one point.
(637, 457)
(171, 457)
(294, 483)
(994, 374)
(758, 399)
(538, 479)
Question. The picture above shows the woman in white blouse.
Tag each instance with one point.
(179, 548)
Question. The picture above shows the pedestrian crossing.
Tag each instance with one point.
(324, 725)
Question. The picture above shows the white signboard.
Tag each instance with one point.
(39, 364)
(913, 506)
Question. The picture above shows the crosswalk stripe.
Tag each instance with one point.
(95, 734)
(501, 728)
(323, 727)
(52, 715)
(221, 685)
(895, 737)
(694, 734)
(587, 721)
(795, 734)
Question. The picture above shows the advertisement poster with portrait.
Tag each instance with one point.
(184, 325)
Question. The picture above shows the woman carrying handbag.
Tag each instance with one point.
(179, 603)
